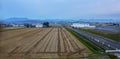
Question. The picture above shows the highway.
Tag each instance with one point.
(100, 41)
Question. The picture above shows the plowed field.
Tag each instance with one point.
(30, 43)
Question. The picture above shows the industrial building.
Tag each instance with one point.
(39, 25)
(82, 25)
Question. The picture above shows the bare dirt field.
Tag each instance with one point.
(30, 43)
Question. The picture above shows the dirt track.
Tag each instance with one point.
(40, 43)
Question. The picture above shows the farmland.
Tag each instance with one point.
(33, 43)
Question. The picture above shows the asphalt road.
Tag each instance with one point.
(109, 29)
(98, 40)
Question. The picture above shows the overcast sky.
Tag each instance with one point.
(60, 9)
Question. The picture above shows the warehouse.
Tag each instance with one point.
(82, 25)
(39, 25)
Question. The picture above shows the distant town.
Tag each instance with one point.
(110, 26)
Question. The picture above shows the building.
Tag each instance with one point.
(2, 25)
(39, 25)
(82, 25)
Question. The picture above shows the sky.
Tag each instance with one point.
(60, 9)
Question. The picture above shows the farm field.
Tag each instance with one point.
(30, 43)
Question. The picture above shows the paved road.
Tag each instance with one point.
(98, 40)
(109, 29)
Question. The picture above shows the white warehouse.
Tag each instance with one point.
(39, 25)
(82, 25)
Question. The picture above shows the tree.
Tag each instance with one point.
(46, 24)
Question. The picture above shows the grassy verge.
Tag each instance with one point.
(115, 37)
(87, 43)
(112, 56)
(2, 30)
(96, 50)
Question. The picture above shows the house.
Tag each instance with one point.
(2, 25)
(14, 25)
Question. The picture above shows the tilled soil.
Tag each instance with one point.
(35, 43)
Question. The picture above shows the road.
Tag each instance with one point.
(98, 40)
(112, 29)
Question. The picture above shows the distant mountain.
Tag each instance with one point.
(60, 21)
(100, 20)
(33, 21)
(17, 19)
(20, 21)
